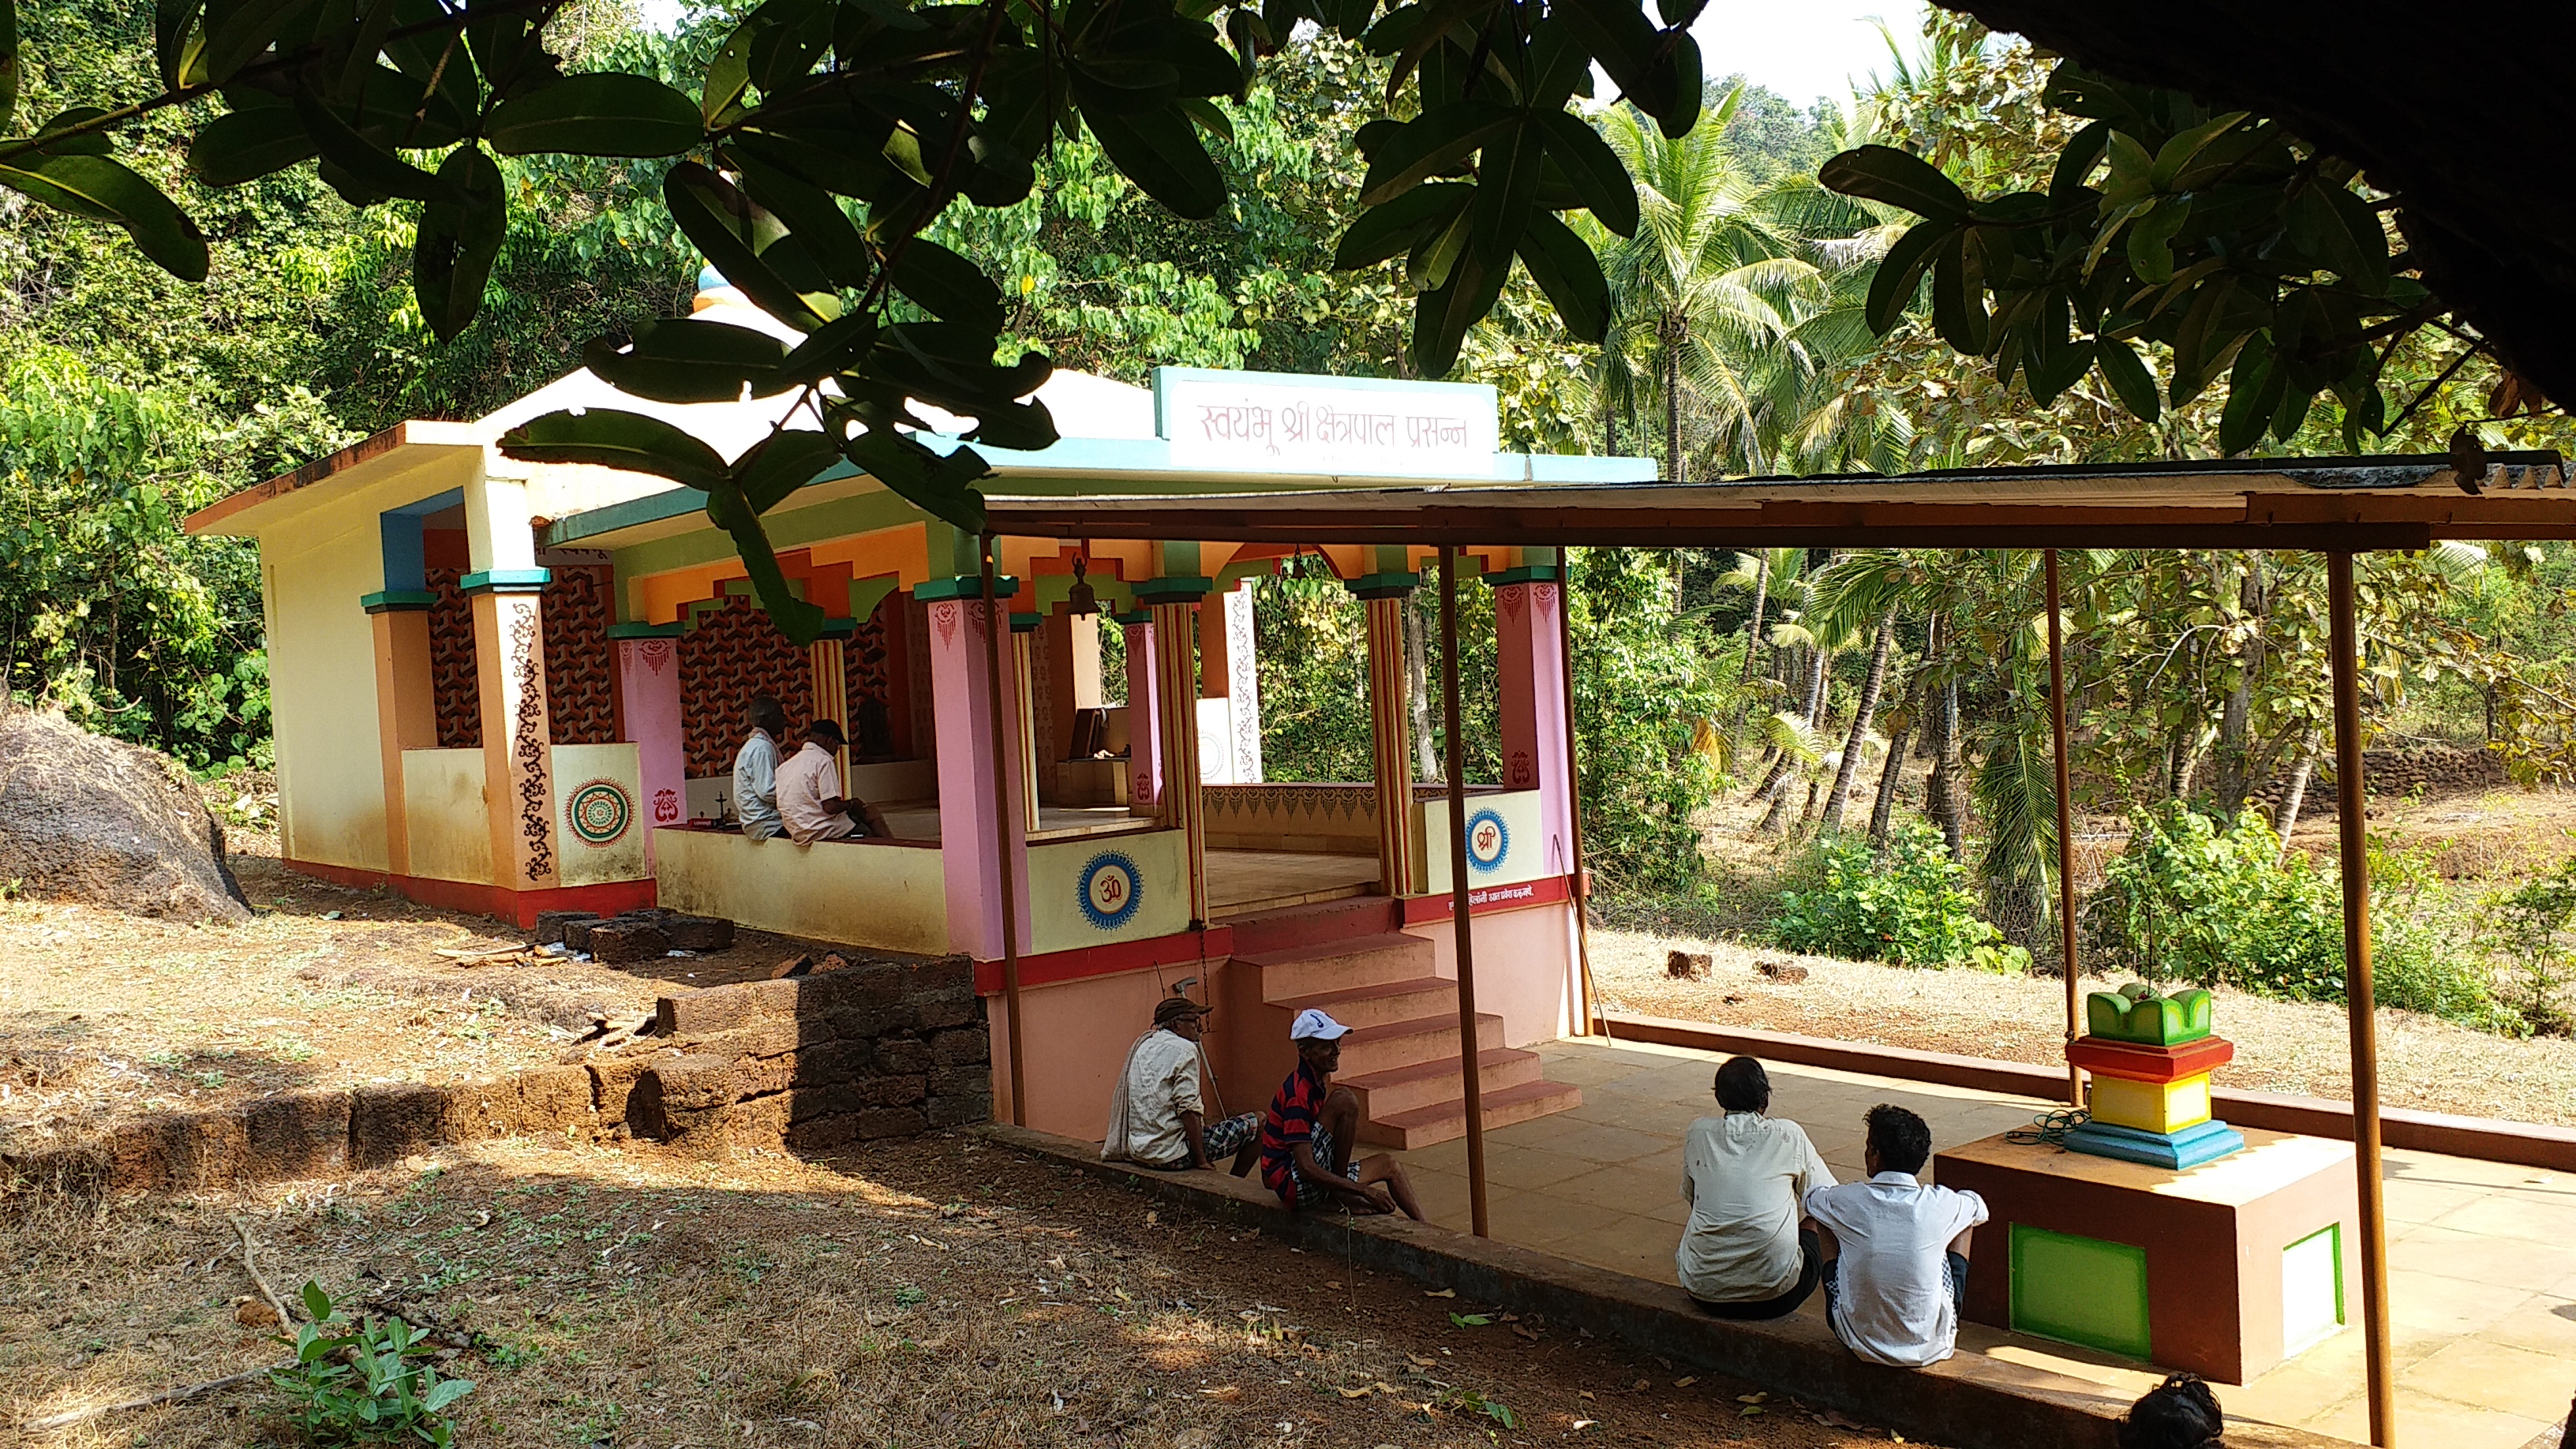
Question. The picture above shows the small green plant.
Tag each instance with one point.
(1468, 1401)
(1908, 904)
(361, 1382)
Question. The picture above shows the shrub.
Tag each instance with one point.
(2528, 931)
(2190, 901)
(357, 1383)
(1908, 904)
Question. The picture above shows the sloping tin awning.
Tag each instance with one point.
(2394, 501)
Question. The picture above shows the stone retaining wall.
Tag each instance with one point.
(880, 1049)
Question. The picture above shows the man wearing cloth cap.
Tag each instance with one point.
(1154, 1112)
(1306, 1135)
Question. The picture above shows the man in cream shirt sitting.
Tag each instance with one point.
(1155, 1116)
(1745, 1253)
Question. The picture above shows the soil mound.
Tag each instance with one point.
(99, 821)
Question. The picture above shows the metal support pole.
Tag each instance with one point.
(1580, 892)
(2353, 849)
(2065, 837)
(995, 624)
(1466, 945)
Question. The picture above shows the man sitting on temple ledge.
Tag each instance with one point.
(1155, 1112)
(809, 793)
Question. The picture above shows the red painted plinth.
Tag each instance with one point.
(2213, 1235)
(2150, 1063)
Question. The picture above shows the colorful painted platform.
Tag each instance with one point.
(2151, 1056)
(2225, 1270)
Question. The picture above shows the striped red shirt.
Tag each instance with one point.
(1290, 1120)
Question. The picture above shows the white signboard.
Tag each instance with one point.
(1275, 422)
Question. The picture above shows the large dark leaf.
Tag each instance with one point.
(1593, 169)
(174, 24)
(947, 286)
(248, 144)
(1400, 225)
(460, 233)
(8, 63)
(723, 224)
(103, 189)
(1565, 268)
(609, 438)
(944, 488)
(1442, 316)
(374, 167)
(2128, 378)
(1883, 173)
(690, 360)
(780, 464)
(1900, 273)
(1429, 145)
(1506, 190)
(826, 235)
(245, 29)
(605, 113)
(1160, 152)
(799, 619)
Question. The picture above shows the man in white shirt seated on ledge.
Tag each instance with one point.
(755, 768)
(1155, 1116)
(1896, 1252)
(809, 793)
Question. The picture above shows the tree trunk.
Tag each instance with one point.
(1417, 696)
(1883, 813)
(2232, 765)
(1861, 712)
(1672, 404)
(1762, 597)
(1814, 698)
(2286, 819)
(1944, 793)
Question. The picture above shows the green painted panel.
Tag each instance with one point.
(2312, 1288)
(2082, 1290)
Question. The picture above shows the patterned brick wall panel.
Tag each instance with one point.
(580, 699)
(454, 689)
(732, 654)
(867, 662)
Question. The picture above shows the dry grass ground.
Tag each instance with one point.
(2281, 1046)
(940, 1292)
(104, 1014)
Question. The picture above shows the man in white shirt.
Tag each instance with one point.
(809, 793)
(1155, 1116)
(1744, 1253)
(755, 768)
(1896, 1252)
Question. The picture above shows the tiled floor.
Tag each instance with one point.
(2482, 1255)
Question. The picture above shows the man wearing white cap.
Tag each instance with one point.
(1306, 1135)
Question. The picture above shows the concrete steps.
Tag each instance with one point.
(1403, 1056)
(1447, 1121)
(1333, 967)
(1428, 1084)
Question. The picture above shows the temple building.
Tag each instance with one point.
(505, 687)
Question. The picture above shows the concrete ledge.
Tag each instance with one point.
(2486, 1138)
(1970, 1401)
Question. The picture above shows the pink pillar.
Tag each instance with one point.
(963, 716)
(1531, 664)
(1144, 720)
(648, 706)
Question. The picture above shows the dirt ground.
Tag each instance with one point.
(939, 1292)
(102, 1013)
(2281, 1046)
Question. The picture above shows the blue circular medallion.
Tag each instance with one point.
(1488, 841)
(1108, 890)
